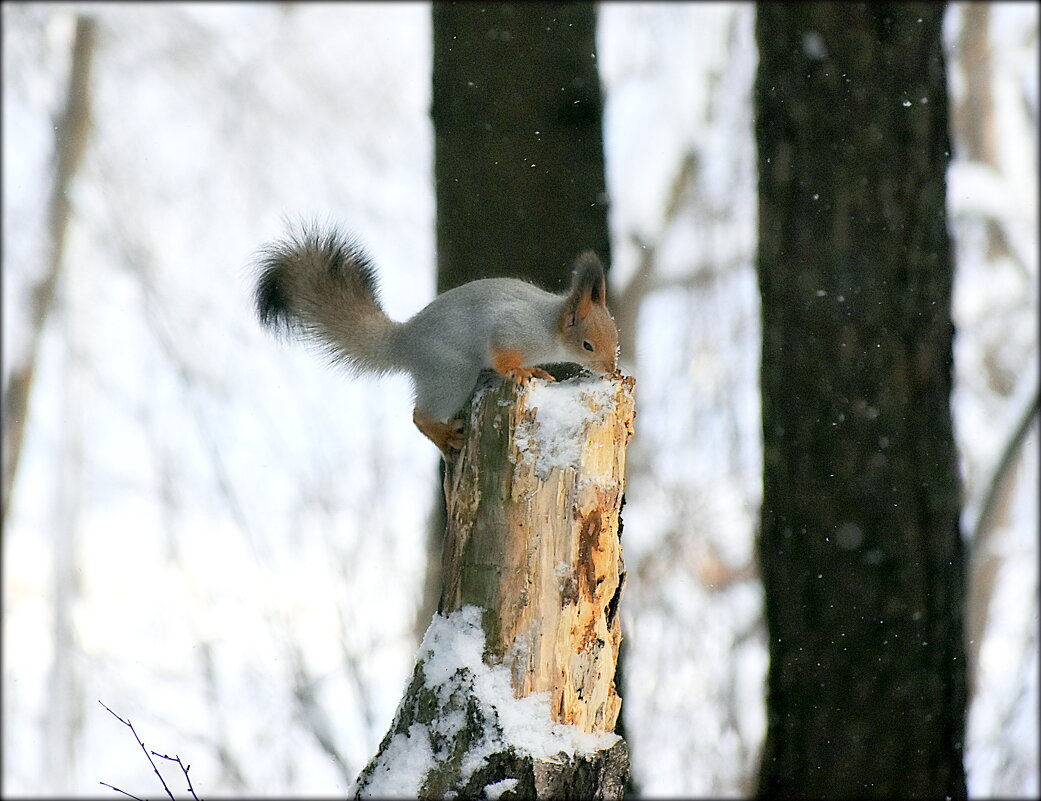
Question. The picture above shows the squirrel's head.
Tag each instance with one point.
(587, 327)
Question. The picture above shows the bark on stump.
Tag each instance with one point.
(533, 575)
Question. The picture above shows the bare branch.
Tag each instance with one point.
(311, 713)
(148, 755)
(184, 769)
(627, 307)
(1005, 463)
(985, 562)
(124, 792)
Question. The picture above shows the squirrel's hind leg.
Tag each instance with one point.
(447, 436)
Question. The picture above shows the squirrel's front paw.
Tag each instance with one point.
(510, 364)
(521, 375)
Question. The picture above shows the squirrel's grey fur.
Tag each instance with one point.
(321, 285)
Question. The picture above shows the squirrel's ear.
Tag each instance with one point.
(588, 285)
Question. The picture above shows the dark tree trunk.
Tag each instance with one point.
(518, 162)
(860, 549)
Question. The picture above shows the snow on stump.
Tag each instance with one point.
(513, 692)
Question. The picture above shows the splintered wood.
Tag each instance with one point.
(533, 537)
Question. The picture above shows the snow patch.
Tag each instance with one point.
(496, 789)
(562, 412)
(405, 764)
(475, 705)
(453, 649)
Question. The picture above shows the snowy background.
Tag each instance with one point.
(223, 540)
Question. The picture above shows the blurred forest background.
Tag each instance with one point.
(225, 541)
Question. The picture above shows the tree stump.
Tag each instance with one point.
(513, 693)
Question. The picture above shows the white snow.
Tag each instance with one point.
(454, 645)
(404, 765)
(562, 411)
(452, 658)
(496, 789)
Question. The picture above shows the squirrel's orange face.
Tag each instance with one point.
(587, 325)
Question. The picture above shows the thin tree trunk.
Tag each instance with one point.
(70, 142)
(533, 570)
(64, 704)
(974, 116)
(64, 701)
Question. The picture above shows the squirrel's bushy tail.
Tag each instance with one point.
(321, 286)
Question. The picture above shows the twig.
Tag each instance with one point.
(184, 770)
(1006, 461)
(311, 712)
(149, 756)
(984, 561)
(124, 792)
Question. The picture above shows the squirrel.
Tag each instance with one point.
(322, 286)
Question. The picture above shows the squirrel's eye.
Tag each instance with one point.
(587, 346)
